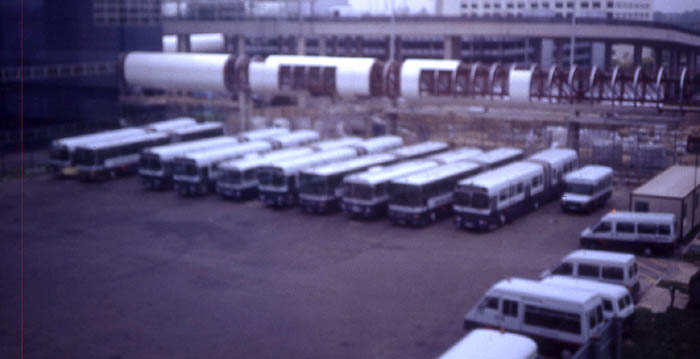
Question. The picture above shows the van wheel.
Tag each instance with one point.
(647, 252)
(433, 217)
(536, 204)
(112, 174)
(502, 219)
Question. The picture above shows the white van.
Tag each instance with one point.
(603, 266)
(559, 319)
(587, 188)
(617, 301)
(492, 344)
(647, 232)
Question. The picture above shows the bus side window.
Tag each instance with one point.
(603, 227)
(564, 269)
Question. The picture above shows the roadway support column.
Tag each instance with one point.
(546, 52)
(183, 43)
(244, 109)
(572, 136)
(598, 54)
(452, 47)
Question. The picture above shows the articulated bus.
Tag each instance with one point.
(109, 158)
(421, 198)
(294, 138)
(420, 149)
(366, 193)
(559, 319)
(61, 151)
(156, 163)
(169, 125)
(498, 157)
(195, 173)
(279, 180)
(321, 188)
(379, 144)
(498, 196)
(262, 134)
(239, 178)
(197, 131)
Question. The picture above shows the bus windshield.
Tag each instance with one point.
(58, 152)
(406, 195)
(186, 168)
(480, 200)
(579, 188)
(150, 162)
(462, 198)
(313, 184)
(360, 191)
(231, 176)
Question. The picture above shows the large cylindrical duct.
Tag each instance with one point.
(180, 71)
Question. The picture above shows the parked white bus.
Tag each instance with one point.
(197, 131)
(169, 125)
(366, 193)
(61, 151)
(421, 149)
(239, 178)
(294, 138)
(279, 180)
(499, 157)
(587, 188)
(262, 134)
(379, 144)
(498, 196)
(604, 266)
(492, 344)
(617, 300)
(342, 142)
(321, 188)
(156, 163)
(196, 172)
(558, 319)
(421, 198)
(643, 231)
(110, 158)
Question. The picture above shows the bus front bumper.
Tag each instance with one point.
(364, 210)
(191, 188)
(407, 219)
(318, 206)
(277, 199)
(235, 193)
(474, 221)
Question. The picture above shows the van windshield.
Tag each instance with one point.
(84, 156)
(480, 200)
(355, 190)
(579, 188)
(58, 152)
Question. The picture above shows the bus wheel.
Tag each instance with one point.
(647, 251)
(433, 217)
(113, 174)
(502, 219)
(536, 204)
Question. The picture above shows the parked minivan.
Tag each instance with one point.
(603, 266)
(633, 230)
(617, 301)
(490, 343)
(587, 188)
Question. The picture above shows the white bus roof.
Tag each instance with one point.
(588, 174)
(492, 344)
(533, 290)
(498, 154)
(675, 182)
(262, 134)
(604, 289)
(336, 143)
(352, 164)
(490, 180)
(297, 164)
(247, 163)
(420, 149)
(373, 177)
(460, 154)
(196, 128)
(207, 157)
(171, 124)
(437, 173)
(296, 137)
(125, 140)
(175, 149)
(72, 142)
(554, 156)
(602, 256)
(639, 216)
(381, 143)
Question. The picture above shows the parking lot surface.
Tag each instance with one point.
(114, 271)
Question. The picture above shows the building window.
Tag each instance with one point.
(521, 5)
(610, 4)
(509, 5)
(497, 5)
(534, 5)
(545, 5)
(570, 5)
(596, 4)
(584, 5)
(559, 5)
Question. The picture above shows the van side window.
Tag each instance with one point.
(625, 227)
(664, 229)
(588, 270)
(615, 273)
(564, 269)
(646, 228)
(603, 227)
(607, 305)
(552, 319)
(510, 308)
(491, 302)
